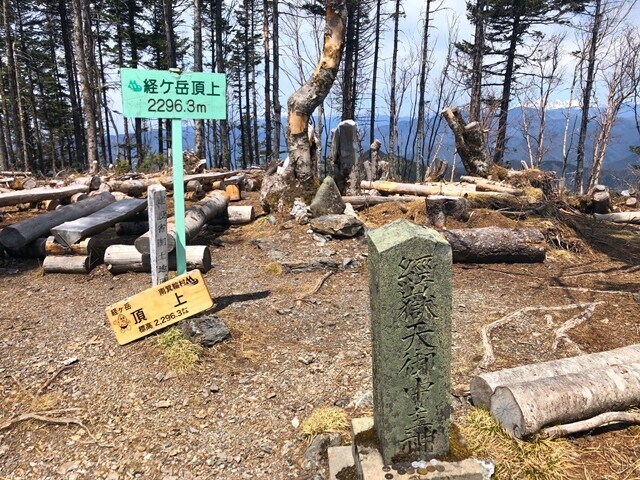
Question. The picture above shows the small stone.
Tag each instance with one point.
(244, 380)
(337, 225)
(214, 388)
(306, 359)
(207, 331)
(319, 238)
(342, 402)
(164, 404)
(631, 202)
(67, 467)
(169, 375)
(160, 376)
(272, 220)
(295, 422)
(271, 395)
(267, 449)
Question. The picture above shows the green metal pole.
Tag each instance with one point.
(178, 195)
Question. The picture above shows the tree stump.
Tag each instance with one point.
(440, 207)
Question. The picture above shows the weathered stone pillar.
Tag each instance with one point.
(345, 164)
(410, 291)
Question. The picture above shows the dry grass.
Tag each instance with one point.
(258, 229)
(538, 459)
(180, 353)
(325, 420)
(273, 268)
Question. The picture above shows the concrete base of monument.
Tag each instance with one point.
(365, 462)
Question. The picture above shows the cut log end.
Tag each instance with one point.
(505, 409)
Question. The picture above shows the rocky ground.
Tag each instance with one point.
(238, 414)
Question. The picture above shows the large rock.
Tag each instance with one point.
(328, 200)
(207, 331)
(337, 225)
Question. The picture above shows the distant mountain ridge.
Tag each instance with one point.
(617, 169)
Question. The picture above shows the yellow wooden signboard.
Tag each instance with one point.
(159, 307)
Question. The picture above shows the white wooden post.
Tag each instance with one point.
(157, 200)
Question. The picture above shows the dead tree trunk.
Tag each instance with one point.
(524, 408)
(496, 245)
(483, 386)
(470, 143)
(300, 175)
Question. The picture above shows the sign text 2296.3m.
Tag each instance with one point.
(164, 94)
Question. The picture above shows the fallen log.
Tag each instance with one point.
(524, 408)
(94, 246)
(93, 182)
(132, 188)
(485, 185)
(440, 207)
(35, 249)
(38, 194)
(417, 189)
(483, 386)
(19, 234)
(66, 264)
(233, 191)
(78, 197)
(496, 245)
(13, 173)
(132, 228)
(26, 183)
(69, 233)
(212, 206)
(358, 201)
(620, 217)
(49, 205)
(125, 258)
(236, 215)
(240, 214)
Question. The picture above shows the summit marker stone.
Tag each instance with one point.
(410, 292)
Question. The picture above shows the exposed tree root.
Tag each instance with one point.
(591, 423)
(317, 287)
(52, 378)
(561, 333)
(518, 316)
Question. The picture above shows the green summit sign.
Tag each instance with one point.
(165, 94)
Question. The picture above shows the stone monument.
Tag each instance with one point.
(410, 291)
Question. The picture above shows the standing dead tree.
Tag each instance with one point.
(299, 176)
(470, 143)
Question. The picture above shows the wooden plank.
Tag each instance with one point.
(70, 232)
(159, 306)
(38, 194)
(19, 234)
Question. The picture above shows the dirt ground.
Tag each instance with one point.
(234, 416)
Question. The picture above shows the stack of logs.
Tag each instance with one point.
(92, 220)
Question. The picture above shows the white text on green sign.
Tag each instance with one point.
(164, 94)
